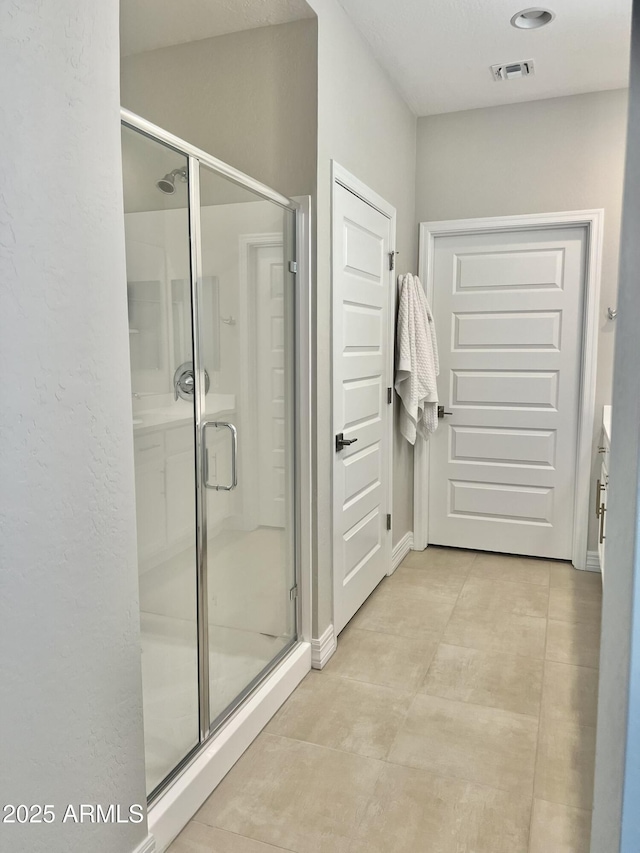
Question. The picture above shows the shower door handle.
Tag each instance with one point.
(234, 456)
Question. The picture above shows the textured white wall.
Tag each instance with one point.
(617, 778)
(366, 127)
(71, 715)
(536, 157)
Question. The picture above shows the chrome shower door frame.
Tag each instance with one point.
(301, 424)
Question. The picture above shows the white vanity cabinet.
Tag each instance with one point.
(602, 486)
(179, 482)
(151, 511)
(165, 487)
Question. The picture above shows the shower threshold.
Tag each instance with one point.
(199, 774)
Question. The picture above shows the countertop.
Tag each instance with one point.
(181, 412)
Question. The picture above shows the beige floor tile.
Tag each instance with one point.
(199, 838)
(519, 599)
(566, 577)
(295, 795)
(407, 612)
(496, 615)
(570, 693)
(564, 766)
(559, 829)
(573, 642)
(438, 579)
(576, 604)
(505, 567)
(386, 659)
(343, 714)
(487, 746)
(435, 557)
(417, 812)
(462, 765)
(496, 680)
(523, 635)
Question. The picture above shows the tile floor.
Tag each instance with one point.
(457, 716)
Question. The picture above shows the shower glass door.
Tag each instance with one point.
(160, 340)
(211, 308)
(247, 432)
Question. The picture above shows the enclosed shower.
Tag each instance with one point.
(211, 297)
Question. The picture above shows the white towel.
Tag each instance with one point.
(417, 363)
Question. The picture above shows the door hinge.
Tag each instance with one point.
(392, 260)
(389, 521)
(293, 267)
(389, 395)
(293, 593)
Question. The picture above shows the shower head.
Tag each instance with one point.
(167, 184)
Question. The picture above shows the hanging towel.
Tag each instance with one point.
(417, 363)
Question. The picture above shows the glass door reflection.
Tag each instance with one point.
(163, 422)
(248, 444)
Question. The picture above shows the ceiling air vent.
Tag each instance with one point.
(511, 70)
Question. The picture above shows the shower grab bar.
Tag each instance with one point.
(234, 456)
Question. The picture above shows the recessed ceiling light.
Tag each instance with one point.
(531, 19)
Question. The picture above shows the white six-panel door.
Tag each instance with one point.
(508, 309)
(270, 367)
(362, 366)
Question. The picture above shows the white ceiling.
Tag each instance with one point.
(439, 52)
(150, 24)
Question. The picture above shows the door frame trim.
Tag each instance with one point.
(342, 177)
(305, 483)
(593, 222)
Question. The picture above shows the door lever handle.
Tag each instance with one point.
(599, 490)
(442, 413)
(342, 442)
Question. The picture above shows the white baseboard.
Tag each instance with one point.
(593, 561)
(171, 813)
(147, 846)
(323, 648)
(400, 550)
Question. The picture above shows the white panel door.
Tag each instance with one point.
(362, 308)
(508, 310)
(271, 385)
